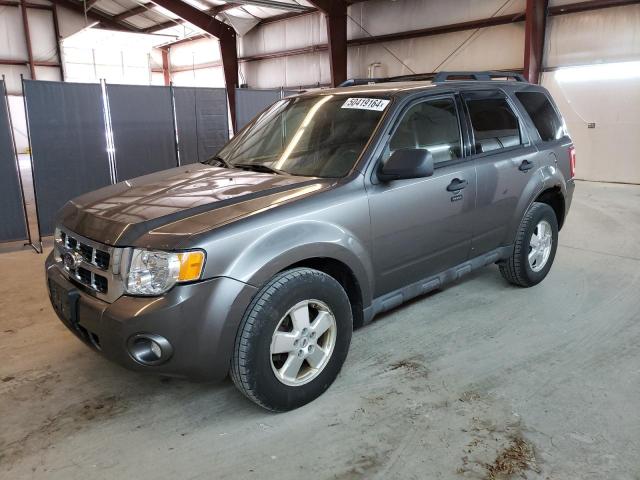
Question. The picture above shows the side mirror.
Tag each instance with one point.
(407, 163)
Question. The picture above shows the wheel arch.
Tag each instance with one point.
(320, 245)
(555, 199)
(345, 276)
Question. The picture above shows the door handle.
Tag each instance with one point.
(456, 184)
(525, 165)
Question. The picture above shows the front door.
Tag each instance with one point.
(423, 226)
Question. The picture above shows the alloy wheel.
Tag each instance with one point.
(303, 342)
(540, 245)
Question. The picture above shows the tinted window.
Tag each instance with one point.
(432, 125)
(495, 126)
(543, 115)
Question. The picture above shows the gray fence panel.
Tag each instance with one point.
(12, 223)
(201, 121)
(143, 129)
(68, 143)
(251, 102)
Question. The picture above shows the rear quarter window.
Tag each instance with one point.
(544, 116)
(495, 125)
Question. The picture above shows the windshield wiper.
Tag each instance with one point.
(220, 160)
(259, 167)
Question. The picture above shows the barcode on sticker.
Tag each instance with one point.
(377, 104)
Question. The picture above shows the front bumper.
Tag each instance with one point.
(200, 320)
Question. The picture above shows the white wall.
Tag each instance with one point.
(598, 36)
(117, 57)
(461, 50)
(199, 52)
(605, 152)
(608, 151)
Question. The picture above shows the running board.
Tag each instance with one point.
(396, 298)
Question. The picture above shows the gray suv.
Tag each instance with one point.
(327, 209)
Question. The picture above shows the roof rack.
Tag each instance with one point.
(371, 81)
(478, 76)
(352, 82)
(437, 77)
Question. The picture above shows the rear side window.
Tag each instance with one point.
(544, 116)
(495, 126)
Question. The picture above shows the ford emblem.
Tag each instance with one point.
(71, 260)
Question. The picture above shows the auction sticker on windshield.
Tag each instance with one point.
(377, 104)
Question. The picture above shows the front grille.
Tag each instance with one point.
(91, 255)
(90, 279)
(102, 259)
(84, 275)
(87, 252)
(96, 268)
(100, 283)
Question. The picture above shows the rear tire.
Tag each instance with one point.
(293, 340)
(534, 249)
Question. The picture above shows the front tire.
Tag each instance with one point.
(293, 339)
(534, 249)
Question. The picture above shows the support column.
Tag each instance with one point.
(56, 30)
(335, 12)
(535, 27)
(229, 53)
(166, 66)
(27, 37)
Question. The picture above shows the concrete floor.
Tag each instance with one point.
(439, 388)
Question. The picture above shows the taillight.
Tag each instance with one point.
(572, 161)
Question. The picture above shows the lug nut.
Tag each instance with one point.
(310, 348)
(305, 331)
(296, 343)
(313, 335)
(300, 353)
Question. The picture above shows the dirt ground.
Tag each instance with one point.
(481, 380)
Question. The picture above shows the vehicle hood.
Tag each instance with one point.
(182, 200)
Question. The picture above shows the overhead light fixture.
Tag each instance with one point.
(599, 72)
(293, 7)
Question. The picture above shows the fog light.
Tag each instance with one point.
(149, 349)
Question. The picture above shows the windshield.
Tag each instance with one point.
(319, 136)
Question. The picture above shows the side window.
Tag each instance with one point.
(494, 124)
(432, 125)
(544, 116)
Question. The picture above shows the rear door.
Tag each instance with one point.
(505, 161)
(419, 226)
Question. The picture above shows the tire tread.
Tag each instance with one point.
(513, 269)
(239, 371)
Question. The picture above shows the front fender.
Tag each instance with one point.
(298, 241)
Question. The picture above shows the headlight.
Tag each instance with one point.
(153, 272)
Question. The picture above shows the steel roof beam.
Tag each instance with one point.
(172, 23)
(292, 7)
(105, 20)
